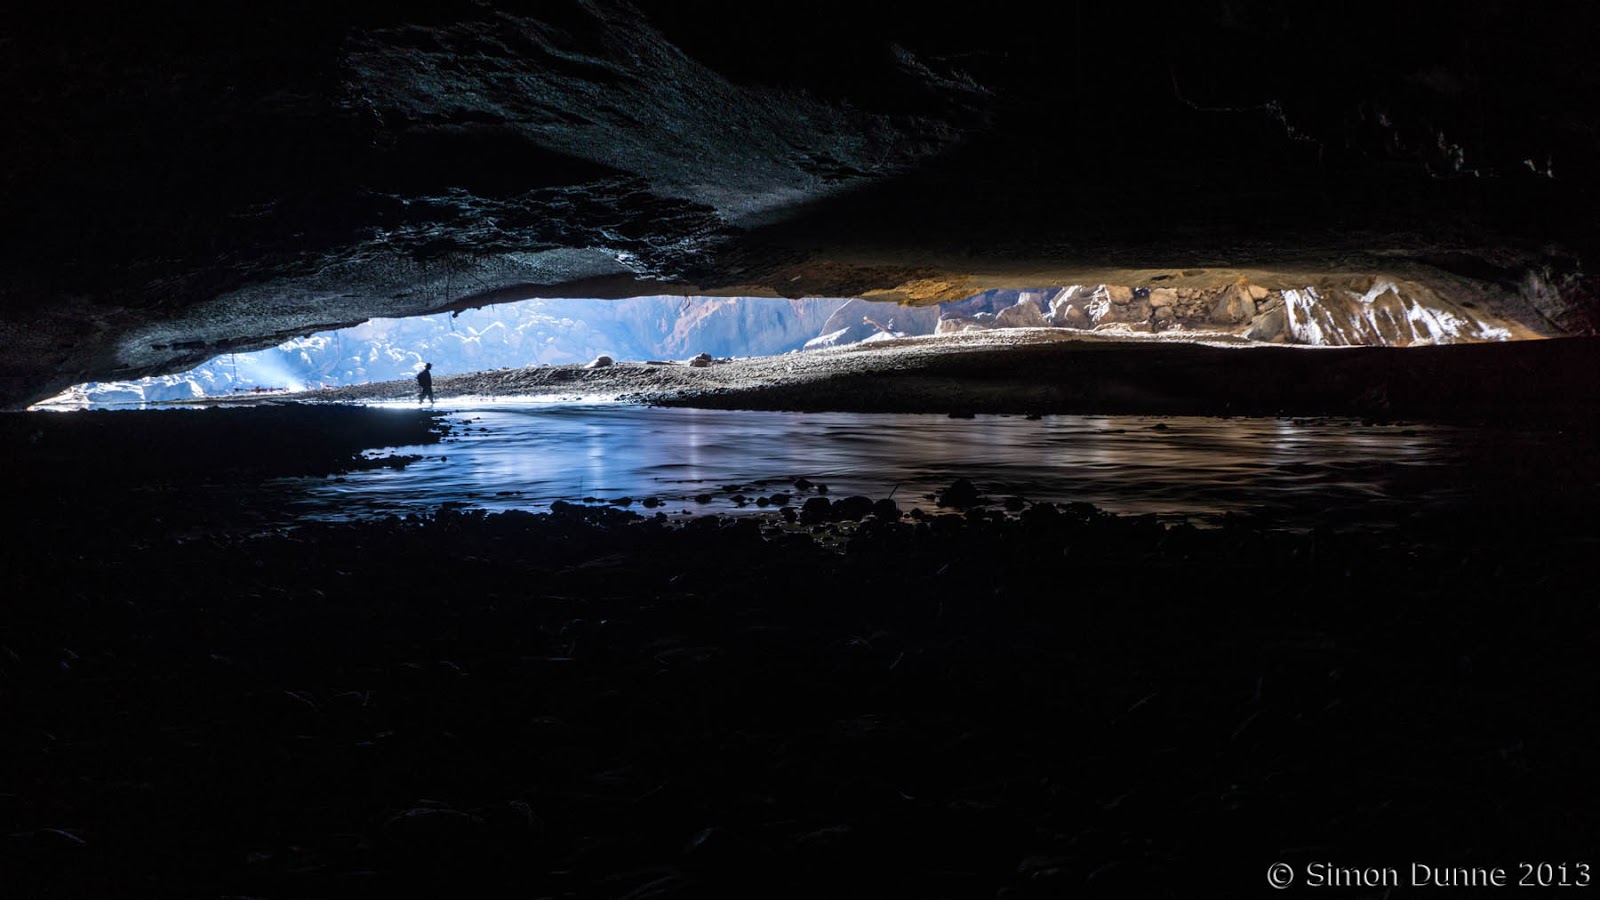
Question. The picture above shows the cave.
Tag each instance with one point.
(1176, 472)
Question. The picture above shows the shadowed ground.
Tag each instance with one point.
(590, 703)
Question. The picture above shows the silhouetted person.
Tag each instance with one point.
(425, 383)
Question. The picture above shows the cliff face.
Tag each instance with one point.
(178, 187)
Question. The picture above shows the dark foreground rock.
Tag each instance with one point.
(596, 703)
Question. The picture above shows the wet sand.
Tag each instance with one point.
(204, 699)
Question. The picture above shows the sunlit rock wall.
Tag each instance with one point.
(1384, 313)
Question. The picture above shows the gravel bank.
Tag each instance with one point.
(1045, 371)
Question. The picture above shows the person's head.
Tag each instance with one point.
(427, 365)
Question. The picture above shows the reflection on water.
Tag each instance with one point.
(525, 457)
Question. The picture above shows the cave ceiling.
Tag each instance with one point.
(175, 186)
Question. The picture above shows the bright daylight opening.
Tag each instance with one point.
(554, 332)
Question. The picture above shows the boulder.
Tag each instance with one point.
(960, 494)
(1270, 324)
(1163, 297)
(1076, 293)
(1024, 314)
(1234, 306)
(1069, 315)
(1118, 294)
(854, 508)
(600, 362)
(701, 361)
(1105, 311)
(817, 509)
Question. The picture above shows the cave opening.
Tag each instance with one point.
(1376, 310)
(1233, 516)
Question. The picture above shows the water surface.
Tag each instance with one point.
(1299, 471)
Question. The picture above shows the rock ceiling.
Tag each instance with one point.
(179, 186)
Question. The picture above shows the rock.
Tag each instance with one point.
(701, 361)
(854, 508)
(1271, 324)
(600, 362)
(886, 509)
(1234, 307)
(858, 320)
(1070, 315)
(1041, 515)
(789, 515)
(1163, 297)
(702, 498)
(956, 324)
(817, 509)
(1118, 294)
(802, 484)
(1257, 292)
(780, 499)
(1024, 314)
(1164, 317)
(1133, 311)
(960, 494)
(1066, 308)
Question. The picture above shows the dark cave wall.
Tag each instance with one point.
(176, 186)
